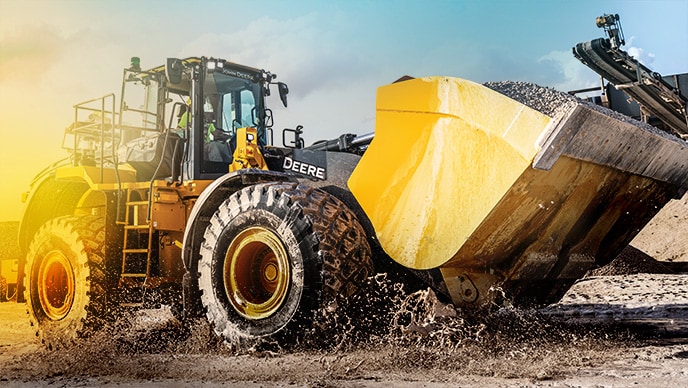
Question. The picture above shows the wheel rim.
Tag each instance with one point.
(56, 285)
(256, 273)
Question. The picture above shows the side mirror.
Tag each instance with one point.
(295, 141)
(173, 70)
(283, 91)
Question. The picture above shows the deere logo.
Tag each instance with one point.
(303, 168)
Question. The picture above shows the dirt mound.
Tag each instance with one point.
(666, 236)
(10, 252)
(8, 240)
(632, 261)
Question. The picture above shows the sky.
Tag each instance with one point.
(332, 54)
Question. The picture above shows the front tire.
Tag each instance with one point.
(65, 283)
(275, 255)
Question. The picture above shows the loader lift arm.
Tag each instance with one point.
(654, 95)
(345, 143)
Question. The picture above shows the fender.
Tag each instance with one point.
(63, 189)
(53, 194)
(48, 198)
(208, 201)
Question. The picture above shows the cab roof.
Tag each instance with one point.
(194, 60)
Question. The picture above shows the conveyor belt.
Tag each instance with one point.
(643, 85)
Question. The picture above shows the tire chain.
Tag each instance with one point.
(347, 259)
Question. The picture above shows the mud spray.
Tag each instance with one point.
(384, 329)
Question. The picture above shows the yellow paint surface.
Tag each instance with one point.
(445, 151)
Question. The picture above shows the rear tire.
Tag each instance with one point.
(65, 285)
(275, 255)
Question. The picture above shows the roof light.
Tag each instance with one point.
(135, 64)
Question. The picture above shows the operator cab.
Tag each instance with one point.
(193, 108)
(223, 97)
(229, 103)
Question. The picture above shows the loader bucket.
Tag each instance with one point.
(462, 178)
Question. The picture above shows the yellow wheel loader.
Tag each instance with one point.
(176, 194)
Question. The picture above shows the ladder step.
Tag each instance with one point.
(132, 250)
(137, 203)
(133, 275)
(136, 226)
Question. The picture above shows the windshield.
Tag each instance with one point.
(139, 106)
(231, 102)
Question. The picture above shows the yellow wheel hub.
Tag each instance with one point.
(56, 285)
(256, 273)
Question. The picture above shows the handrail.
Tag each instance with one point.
(85, 129)
(96, 99)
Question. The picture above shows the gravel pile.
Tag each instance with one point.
(631, 261)
(547, 101)
(555, 104)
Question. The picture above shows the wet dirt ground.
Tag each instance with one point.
(623, 325)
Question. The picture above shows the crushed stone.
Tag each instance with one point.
(556, 104)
